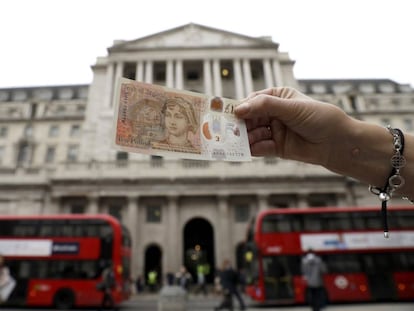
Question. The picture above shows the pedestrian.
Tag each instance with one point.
(152, 280)
(7, 282)
(283, 122)
(106, 286)
(183, 278)
(139, 284)
(230, 281)
(313, 269)
(202, 271)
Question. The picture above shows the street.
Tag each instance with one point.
(200, 303)
(149, 302)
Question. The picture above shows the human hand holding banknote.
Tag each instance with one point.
(156, 120)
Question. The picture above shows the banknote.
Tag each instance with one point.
(157, 120)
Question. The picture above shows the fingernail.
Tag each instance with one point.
(242, 109)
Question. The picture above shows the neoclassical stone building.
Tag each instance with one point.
(56, 156)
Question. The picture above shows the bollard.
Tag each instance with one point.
(172, 298)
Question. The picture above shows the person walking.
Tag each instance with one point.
(106, 286)
(313, 269)
(230, 280)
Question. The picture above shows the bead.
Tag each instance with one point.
(383, 196)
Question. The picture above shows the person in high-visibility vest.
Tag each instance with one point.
(202, 271)
(152, 280)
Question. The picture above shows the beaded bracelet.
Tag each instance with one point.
(395, 180)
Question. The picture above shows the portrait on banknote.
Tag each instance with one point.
(158, 120)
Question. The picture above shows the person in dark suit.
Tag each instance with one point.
(229, 279)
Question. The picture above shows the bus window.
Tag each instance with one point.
(403, 261)
(405, 219)
(374, 222)
(277, 223)
(25, 229)
(312, 223)
(336, 221)
(343, 263)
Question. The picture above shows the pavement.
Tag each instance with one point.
(149, 302)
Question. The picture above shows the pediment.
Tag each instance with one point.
(192, 36)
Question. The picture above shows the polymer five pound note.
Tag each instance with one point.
(156, 120)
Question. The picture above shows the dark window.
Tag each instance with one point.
(242, 212)
(129, 70)
(193, 75)
(115, 210)
(3, 131)
(153, 213)
(77, 209)
(121, 156)
(50, 154)
(33, 110)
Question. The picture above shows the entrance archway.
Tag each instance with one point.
(199, 247)
(153, 261)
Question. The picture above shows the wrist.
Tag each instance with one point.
(364, 153)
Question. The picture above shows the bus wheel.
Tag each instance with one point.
(64, 299)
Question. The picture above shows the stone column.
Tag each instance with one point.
(139, 74)
(238, 79)
(148, 72)
(179, 74)
(262, 202)
(93, 206)
(208, 87)
(50, 204)
(217, 78)
(109, 84)
(277, 72)
(173, 254)
(247, 74)
(170, 73)
(267, 69)
(132, 223)
(302, 200)
(223, 241)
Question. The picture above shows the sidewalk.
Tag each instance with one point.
(200, 302)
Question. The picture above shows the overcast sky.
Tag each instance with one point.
(51, 42)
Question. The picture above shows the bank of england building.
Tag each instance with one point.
(56, 153)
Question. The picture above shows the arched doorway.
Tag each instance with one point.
(153, 261)
(199, 247)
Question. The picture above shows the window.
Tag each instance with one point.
(23, 155)
(75, 130)
(115, 210)
(77, 209)
(129, 70)
(408, 125)
(121, 156)
(3, 131)
(153, 213)
(2, 148)
(50, 154)
(33, 110)
(72, 154)
(385, 121)
(54, 131)
(28, 131)
(241, 212)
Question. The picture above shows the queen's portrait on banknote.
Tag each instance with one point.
(181, 126)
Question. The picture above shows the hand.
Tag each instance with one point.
(286, 123)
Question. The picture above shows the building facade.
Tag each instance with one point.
(56, 154)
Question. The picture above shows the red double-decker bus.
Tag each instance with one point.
(57, 260)
(363, 266)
